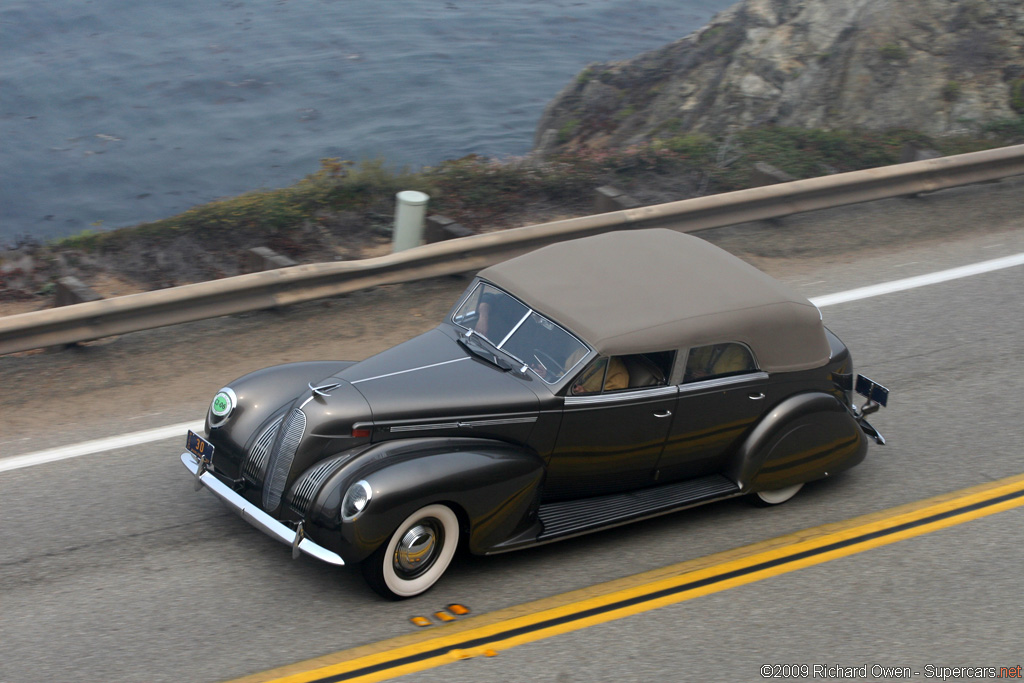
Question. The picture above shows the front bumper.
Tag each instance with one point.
(257, 517)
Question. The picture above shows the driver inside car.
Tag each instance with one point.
(590, 381)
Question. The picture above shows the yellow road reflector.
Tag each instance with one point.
(490, 633)
(458, 610)
(421, 621)
(444, 616)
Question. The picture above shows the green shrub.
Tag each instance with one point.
(695, 146)
(1009, 131)
(568, 130)
(1017, 95)
(892, 52)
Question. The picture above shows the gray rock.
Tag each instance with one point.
(941, 67)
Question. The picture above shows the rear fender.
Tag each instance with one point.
(806, 437)
(492, 486)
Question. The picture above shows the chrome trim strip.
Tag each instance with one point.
(257, 517)
(463, 424)
(498, 421)
(402, 372)
(621, 396)
(418, 428)
(723, 382)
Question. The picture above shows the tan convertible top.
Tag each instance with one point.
(654, 290)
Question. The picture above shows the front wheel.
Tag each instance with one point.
(416, 555)
(775, 496)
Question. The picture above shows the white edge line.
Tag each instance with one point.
(99, 445)
(918, 281)
(149, 435)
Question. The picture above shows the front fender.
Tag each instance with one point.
(262, 393)
(805, 437)
(260, 396)
(492, 486)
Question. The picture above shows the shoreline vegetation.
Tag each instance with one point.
(345, 210)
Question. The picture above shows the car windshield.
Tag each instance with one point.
(544, 346)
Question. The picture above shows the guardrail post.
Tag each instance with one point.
(410, 210)
(610, 199)
(441, 228)
(71, 290)
(264, 258)
(765, 174)
(912, 152)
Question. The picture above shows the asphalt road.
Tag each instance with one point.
(113, 569)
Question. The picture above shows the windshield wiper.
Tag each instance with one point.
(477, 345)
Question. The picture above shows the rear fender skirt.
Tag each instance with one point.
(492, 486)
(806, 437)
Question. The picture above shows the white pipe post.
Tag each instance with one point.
(410, 213)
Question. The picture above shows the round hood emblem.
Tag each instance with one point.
(223, 403)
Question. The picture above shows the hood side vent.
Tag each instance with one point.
(281, 459)
(254, 468)
(308, 485)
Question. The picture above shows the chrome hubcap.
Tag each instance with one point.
(417, 549)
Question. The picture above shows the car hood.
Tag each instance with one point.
(432, 377)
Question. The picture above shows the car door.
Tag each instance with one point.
(722, 395)
(609, 440)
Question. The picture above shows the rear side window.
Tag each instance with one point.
(718, 360)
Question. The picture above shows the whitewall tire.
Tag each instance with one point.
(775, 496)
(416, 555)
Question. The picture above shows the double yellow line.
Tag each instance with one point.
(488, 634)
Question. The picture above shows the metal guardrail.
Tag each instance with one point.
(96, 319)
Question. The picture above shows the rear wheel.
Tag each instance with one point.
(775, 496)
(416, 555)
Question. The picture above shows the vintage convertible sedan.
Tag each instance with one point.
(587, 384)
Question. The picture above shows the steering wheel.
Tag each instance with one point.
(549, 363)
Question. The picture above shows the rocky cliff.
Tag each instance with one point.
(937, 66)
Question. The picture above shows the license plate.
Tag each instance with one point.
(872, 390)
(198, 446)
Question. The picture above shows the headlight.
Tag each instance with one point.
(222, 406)
(356, 499)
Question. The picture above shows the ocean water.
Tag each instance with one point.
(114, 112)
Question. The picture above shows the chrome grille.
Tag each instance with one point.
(255, 465)
(306, 487)
(281, 459)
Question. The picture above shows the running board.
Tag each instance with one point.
(575, 517)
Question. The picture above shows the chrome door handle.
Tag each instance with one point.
(756, 397)
(667, 413)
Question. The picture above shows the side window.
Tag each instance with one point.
(718, 360)
(624, 372)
